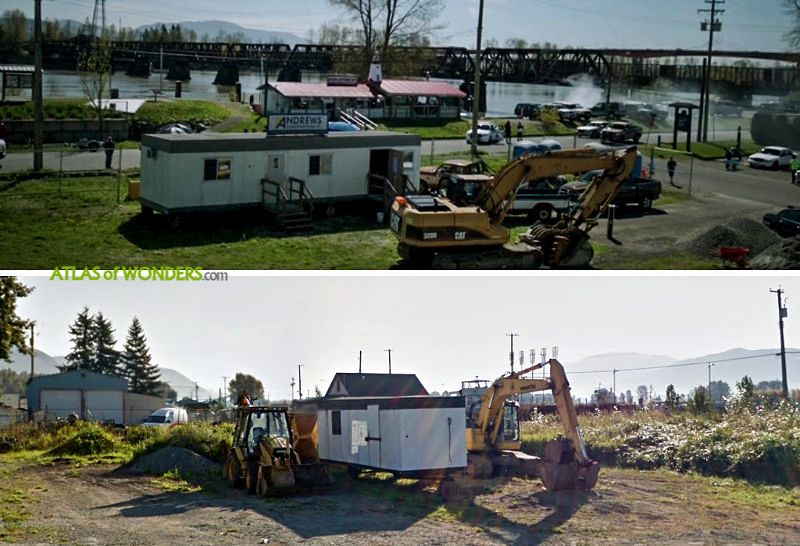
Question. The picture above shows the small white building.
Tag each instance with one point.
(406, 434)
(218, 171)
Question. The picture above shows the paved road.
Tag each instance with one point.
(71, 161)
(460, 145)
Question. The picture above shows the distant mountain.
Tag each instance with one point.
(46, 364)
(213, 28)
(730, 366)
(43, 362)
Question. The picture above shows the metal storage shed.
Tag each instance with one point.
(408, 435)
(92, 396)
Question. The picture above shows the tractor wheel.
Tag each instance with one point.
(647, 204)
(262, 483)
(233, 471)
(541, 213)
(251, 477)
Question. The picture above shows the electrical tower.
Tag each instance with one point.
(711, 25)
(98, 16)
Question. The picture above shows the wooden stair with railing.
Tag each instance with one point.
(291, 206)
(356, 118)
(381, 189)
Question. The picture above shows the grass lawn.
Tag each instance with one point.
(83, 226)
(195, 111)
(53, 109)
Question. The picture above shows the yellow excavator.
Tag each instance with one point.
(493, 435)
(435, 232)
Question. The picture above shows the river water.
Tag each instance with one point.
(501, 96)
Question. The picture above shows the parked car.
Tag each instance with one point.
(611, 110)
(642, 192)
(785, 223)
(570, 112)
(592, 129)
(539, 199)
(88, 144)
(528, 147)
(621, 132)
(166, 417)
(436, 179)
(552, 144)
(772, 157)
(727, 109)
(3, 148)
(488, 133)
(334, 126)
(527, 110)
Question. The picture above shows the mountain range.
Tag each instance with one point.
(214, 28)
(46, 364)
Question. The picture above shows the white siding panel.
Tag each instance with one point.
(431, 442)
(60, 403)
(104, 406)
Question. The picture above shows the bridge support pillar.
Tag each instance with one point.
(139, 68)
(290, 73)
(228, 74)
(179, 71)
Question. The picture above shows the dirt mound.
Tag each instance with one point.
(92, 440)
(782, 255)
(739, 232)
(186, 461)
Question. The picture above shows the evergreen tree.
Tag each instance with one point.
(107, 358)
(13, 328)
(142, 375)
(84, 349)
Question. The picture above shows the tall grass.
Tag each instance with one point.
(760, 444)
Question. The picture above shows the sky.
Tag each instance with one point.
(443, 328)
(748, 24)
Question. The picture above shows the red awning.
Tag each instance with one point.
(321, 90)
(421, 88)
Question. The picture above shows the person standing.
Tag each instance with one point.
(728, 159)
(671, 165)
(108, 147)
(520, 129)
(795, 168)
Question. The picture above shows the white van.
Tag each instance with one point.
(165, 417)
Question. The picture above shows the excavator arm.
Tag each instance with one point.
(497, 197)
(493, 403)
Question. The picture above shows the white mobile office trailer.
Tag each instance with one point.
(406, 435)
(218, 171)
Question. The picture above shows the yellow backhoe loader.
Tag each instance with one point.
(436, 232)
(493, 435)
(264, 455)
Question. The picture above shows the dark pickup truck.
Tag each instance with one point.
(642, 192)
(785, 223)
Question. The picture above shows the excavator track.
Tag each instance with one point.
(563, 248)
(508, 256)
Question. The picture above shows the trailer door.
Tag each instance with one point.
(374, 435)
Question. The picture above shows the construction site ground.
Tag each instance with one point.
(62, 503)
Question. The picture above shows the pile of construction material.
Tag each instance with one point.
(185, 461)
(741, 232)
(782, 255)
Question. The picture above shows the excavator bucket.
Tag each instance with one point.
(559, 470)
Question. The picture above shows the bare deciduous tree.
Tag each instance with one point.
(793, 9)
(386, 23)
(94, 65)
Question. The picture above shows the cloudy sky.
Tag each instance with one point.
(749, 24)
(442, 328)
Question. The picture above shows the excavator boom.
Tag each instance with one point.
(566, 464)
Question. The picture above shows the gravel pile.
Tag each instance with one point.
(186, 461)
(739, 232)
(782, 255)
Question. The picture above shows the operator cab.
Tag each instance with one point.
(472, 391)
(257, 423)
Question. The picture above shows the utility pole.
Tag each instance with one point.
(299, 383)
(711, 25)
(196, 393)
(710, 364)
(38, 107)
(225, 389)
(614, 384)
(782, 314)
(511, 354)
(33, 325)
(389, 351)
(476, 92)
(359, 361)
(292, 385)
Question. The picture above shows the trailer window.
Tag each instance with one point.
(336, 423)
(320, 164)
(217, 169)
